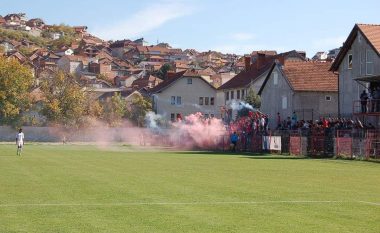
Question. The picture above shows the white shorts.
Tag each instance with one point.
(20, 145)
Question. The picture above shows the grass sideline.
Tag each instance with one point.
(81, 188)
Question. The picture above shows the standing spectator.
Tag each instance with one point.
(288, 123)
(294, 120)
(373, 97)
(262, 123)
(234, 140)
(278, 121)
(363, 101)
(377, 99)
(325, 123)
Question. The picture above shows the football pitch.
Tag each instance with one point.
(78, 188)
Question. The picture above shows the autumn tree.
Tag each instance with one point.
(137, 110)
(114, 110)
(64, 100)
(93, 108)
(16, 81)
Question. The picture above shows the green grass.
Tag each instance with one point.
(56, 188)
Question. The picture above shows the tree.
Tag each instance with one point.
(9, 34)
(253, 99)
(138, 109)
(25, 50)
(64, 100)
(16, 81)
(163, 71)
(63, 41)
(93, 108)
(114, 110)
(103, 77)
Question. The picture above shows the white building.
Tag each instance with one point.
(183, 94)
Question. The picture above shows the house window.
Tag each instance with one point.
(200, 100)
(284, 102)
(328, 98)
(232, 95)
(172, 115)
(212, 101)
(349, 61)
(369, 62)
(242, 94)
(212, 115)
(189, 81)
(172, 100)
(238, 94)
(206, 100)
(179, 100)
(227, 95)
(275, 78)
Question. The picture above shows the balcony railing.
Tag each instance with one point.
(369, 107)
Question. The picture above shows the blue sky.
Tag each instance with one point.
(238, 26)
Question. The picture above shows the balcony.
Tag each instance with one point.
(368, 108)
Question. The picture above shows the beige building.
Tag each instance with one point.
(183, 94)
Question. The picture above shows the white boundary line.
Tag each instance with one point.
(369, 203)
(184, 203)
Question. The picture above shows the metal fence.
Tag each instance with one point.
(358, 144)
(321, 143)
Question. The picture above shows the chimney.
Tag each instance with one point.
(302, 53)
(260, 60)
(170, 74)
(281, 60)
(247, 62)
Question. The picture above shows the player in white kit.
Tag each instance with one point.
(19, 141)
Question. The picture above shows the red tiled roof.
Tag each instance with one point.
(167, 82)
(170, 80)
(77, 58)
(144, 82)
(310, 76)
(148, 49)
(122, 43)
(372, 34)
(207, 72)
(246, 77)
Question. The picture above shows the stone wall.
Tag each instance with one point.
(51, 134)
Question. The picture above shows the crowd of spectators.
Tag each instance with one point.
(323, 123)
(258, 123)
